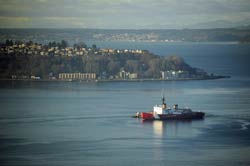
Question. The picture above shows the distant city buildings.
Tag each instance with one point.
(77, 76)
(35, 49)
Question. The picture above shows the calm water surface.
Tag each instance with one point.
(89, 123)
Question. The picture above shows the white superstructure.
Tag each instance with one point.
(163, 109)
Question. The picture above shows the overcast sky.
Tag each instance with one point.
(123, 14)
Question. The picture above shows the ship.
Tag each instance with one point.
(163, 112)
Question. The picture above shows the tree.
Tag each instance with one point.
(8, 42)
(64, 44)
(94, 47)
(80, 45)
(132, 66)
(153, 68)
(113, 67)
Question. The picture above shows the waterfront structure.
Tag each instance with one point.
(123, 74)
(35, 78)
(171, 74)
(133, 75)
(77, 76)
(127, 75)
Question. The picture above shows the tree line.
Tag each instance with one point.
(146, 65)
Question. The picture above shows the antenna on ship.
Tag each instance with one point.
(163, 99)
(164, 105)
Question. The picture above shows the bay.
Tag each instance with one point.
(63, 123)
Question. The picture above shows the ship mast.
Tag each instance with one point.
(163, 99)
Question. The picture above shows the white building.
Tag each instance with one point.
(77, 76)
(172, 74)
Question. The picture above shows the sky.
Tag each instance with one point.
(124, 14)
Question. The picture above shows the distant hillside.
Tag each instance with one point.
(221, 24)
(169, 35)
(22, 60)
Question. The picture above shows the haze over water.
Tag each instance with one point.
(51, 123)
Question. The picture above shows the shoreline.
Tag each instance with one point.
(118, 80)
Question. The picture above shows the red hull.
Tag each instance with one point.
(147, 116)
(186, 116)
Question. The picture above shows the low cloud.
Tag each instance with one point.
(120, 13)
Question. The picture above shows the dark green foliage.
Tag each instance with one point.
(145, 64)
(60, 45)
(80, 45)
(64, 44)
(8, 42)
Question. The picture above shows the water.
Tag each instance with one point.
(223, 58)
(67, 123)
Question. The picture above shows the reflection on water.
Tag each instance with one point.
(158, 127)
(174, 129)
(166, 133)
